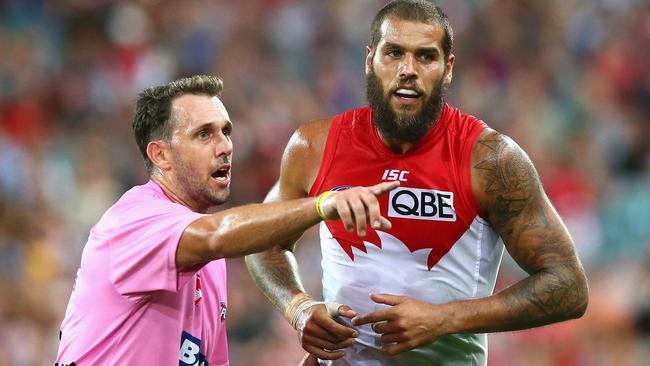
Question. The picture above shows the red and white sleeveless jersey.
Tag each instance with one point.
(438, 250)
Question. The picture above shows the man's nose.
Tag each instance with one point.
(224, 147)
(407, 67)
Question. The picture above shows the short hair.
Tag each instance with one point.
(153, 109)
(423, 11)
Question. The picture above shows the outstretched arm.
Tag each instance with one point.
(252, 228)
(508, 190)
(283, 218)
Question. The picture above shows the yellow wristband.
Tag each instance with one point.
(319, 203)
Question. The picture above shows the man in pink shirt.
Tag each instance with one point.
(151, 287)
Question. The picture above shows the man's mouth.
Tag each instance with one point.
(222, 174)
(407, 94)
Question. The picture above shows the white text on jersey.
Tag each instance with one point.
(395, 174)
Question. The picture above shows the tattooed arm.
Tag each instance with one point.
(508, 190)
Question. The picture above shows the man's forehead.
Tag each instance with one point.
(194, 108)
(409, 32)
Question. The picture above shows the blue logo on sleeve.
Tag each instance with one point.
(340, 188)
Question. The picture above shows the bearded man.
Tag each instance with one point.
(420, 293)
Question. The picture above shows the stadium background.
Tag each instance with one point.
(569, 80)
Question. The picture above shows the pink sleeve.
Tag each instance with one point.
(142, 248)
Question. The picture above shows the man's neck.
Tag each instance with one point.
(395, 145)
(171, 193)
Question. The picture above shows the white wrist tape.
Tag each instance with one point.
(300, 303)
(296, 321)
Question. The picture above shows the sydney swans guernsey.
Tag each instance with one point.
(439, 249)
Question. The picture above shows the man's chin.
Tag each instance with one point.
(219, 198)
(406, 110)
(406, 114)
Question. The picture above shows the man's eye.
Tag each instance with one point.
(395, 53)
(204, 134)
(227, 131)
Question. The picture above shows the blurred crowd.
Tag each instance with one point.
(569, 80)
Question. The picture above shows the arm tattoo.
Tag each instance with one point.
(533, 233)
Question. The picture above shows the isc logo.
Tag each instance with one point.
(190, 355)
(422, 204)
(395, 174)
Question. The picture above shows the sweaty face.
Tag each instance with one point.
(201, 151)
(406, 77)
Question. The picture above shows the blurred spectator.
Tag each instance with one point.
(568, 80)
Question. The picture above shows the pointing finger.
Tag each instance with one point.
(381, 188)
(373, 317)
(386, 299)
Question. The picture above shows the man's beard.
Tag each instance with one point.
(198, 191)
(402, 126)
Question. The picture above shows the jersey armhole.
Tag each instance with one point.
(466, 164)
(328, 155)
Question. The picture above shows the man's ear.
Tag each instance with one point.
(369, 54)
(159, 153)
(449, 72)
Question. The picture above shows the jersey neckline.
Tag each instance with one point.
(437, 127)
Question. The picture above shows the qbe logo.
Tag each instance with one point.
(422, 204)
(189, 354)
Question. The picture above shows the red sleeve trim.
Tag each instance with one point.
(328, 154)
(477, 127)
